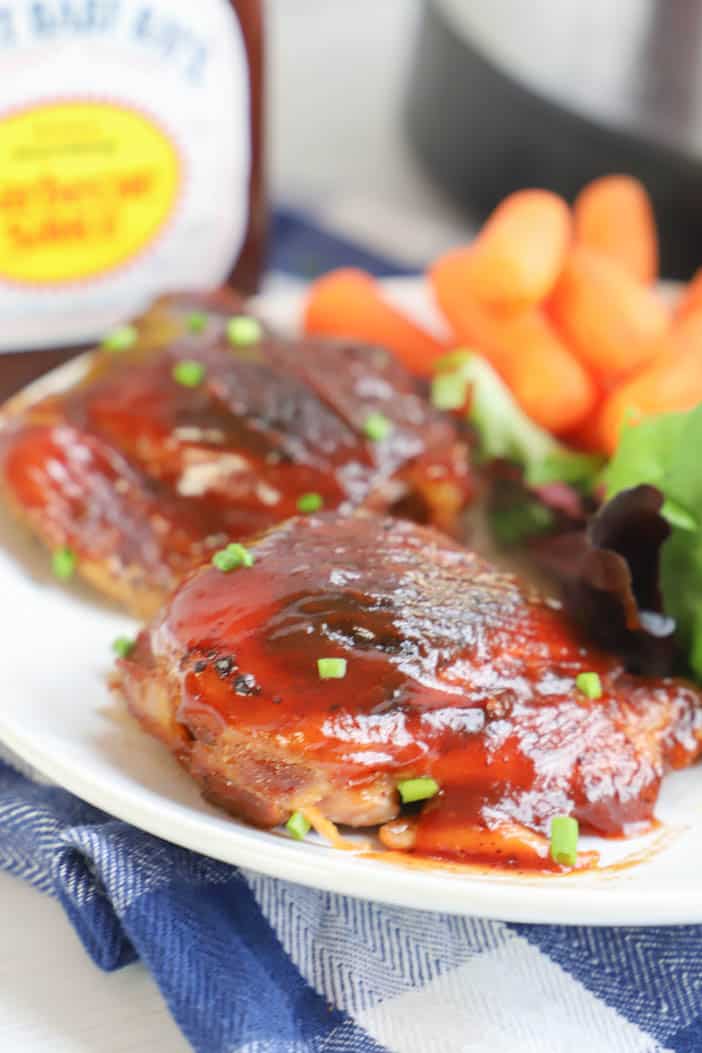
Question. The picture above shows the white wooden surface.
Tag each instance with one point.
(336, 76)
(54, 1000)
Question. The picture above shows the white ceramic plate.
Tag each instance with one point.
(56, 713)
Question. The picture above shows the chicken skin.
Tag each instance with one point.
(445, 668)
(192, 431)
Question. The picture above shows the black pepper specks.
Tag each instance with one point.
(245, 684)
(224, 666)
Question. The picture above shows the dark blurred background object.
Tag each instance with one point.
(553, 93)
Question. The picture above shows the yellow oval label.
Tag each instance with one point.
(84, 187)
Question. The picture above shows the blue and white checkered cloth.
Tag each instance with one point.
(256, 965)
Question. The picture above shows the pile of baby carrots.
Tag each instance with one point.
(562, 301)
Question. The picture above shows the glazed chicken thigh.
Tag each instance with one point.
(197, 426)
(444, 668)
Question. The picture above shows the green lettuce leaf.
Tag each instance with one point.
(666, 451)
(503, 428)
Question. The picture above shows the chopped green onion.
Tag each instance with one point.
(420, 789)
(331, 668)
(120, 339)
(298, 826)
(233, 556)
(123, 646)
(188, 373)
(376, 427)
(449, 391)
(222, 560)
(454, 360)
(197, 321)
(590, 684)
(63, 563)
(564, 840)
(243, 331)
(309, 503)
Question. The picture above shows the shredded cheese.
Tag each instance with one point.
(328, 830)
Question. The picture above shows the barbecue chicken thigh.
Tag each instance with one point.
(338, 657)
(196, 426)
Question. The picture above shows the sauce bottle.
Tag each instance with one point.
(130, 164)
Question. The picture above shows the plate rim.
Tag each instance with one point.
(561, 898)
(540, 899)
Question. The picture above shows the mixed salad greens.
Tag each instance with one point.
(665, 452)
(504, 429)
(626, 550)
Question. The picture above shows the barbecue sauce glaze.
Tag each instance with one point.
(454, 670)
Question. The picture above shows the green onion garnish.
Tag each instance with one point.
(452, 361)
(188, 373)
(590, 684)
(298, 826)
(197, 321)
(377, 427)
(420, 789)
(120, 339)
(63, 563)
(123, 646)
(309, 503)
(564, 840)
(243, 331)
(449, 391)
(233, 556)
(331, 668)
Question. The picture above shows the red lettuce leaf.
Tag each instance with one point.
(609, 576)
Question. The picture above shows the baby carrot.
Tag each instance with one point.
(610, 319)
(614, 215)
(546, 378)
(691, 298)
(550, 384)
(671, 382)
(587, 436)
(517, 256)
(348, 303)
